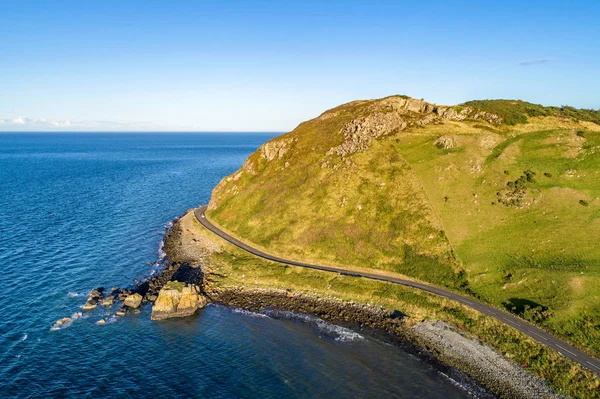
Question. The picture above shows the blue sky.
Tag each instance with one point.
(267, 66)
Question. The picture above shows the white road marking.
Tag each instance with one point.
(538, 335)
(566, 350)
(593, 365)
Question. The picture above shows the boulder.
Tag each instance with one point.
(177, 300)
(101, 322)
(151, 297)
(109, 301)
(445, 142)
(62, 323)
(96, 293)
(90, 304)
(133, 301)
(64, 320)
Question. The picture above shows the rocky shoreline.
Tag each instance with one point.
(182, 287)
(474, 365)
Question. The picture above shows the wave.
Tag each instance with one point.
(161, 253)
(249, 313)
(466, 384)
(72, 294)
(338, 333)
(24, 337)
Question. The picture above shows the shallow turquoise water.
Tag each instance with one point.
(83, 210)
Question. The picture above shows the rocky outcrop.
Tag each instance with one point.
(177, 300)
(276, 149)
(359, 133)
(394, 114)
(94, 298)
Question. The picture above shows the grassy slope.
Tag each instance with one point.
(406, 206)
(231, 267)
(546, 253)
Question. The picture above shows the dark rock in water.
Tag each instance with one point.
(151, 297)
(95, 294)
(122, 311)
(94, 298)
(122, 295)
(135, 311)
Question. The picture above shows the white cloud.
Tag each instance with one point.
(23, 123)
(536, 61)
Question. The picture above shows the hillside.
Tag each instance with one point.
(495, 198)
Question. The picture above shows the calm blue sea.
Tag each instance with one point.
(84, 210)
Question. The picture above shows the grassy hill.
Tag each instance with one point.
(496, 198)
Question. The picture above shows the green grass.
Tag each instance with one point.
(405, 206)
(514, 112)
(548, 247)
(176, 285)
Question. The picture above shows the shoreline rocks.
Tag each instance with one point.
(94, 298)
(463, 358)
(65, 321)
(177, 299)
(133, 301)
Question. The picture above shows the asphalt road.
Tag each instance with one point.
(523, 326)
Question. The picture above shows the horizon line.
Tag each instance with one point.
(141, 131)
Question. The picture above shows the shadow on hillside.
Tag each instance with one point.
(527, 309)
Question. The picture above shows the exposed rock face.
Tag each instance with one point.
(172, 302)
(395, 114)
(133, 301)
(276, 149)
(359, 133)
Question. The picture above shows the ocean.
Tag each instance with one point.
(78, 211)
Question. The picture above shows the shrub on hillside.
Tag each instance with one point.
(514, 112)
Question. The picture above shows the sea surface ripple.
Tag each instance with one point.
(84, 210)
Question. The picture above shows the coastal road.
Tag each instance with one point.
(537, 334)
